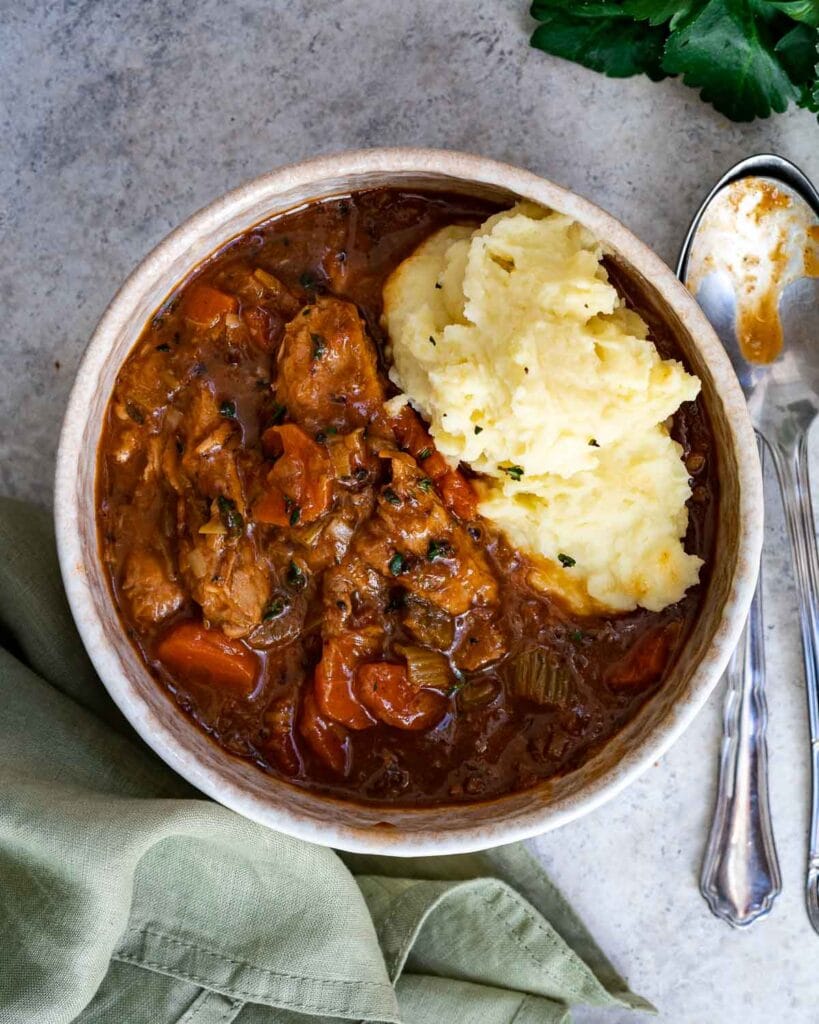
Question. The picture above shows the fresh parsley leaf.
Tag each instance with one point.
(579, 8)
(723, 51)
(609, 42)
(798, 53)
(658, 12)
(566, 560)
(806, 11)
(746, 57)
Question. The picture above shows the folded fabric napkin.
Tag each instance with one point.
(127, 897)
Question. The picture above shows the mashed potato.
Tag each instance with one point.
(512, 343)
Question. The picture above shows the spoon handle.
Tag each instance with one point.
(740, 873)
(791, 461)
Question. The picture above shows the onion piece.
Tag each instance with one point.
(426, 669)
(215, 525)
(215, 439)
(197, 563)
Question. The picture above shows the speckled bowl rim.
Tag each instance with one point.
(180, 756)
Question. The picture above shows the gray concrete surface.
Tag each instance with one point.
(120, 119)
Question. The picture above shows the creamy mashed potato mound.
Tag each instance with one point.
(511, 341)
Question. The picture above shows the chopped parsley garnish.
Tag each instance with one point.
(478, 430)
(432, 341)
(278, 413)
(228, 410)
(295, 515)
(425, 483)
(439, 549)
(576, 635)
(163, 348)
(275, 608)
(397, 564)
(566, 560)
(231, 518)
(391, 496)
(424, 454)
(593, 443)
(319, 345)
(515, 472)
(295, 577)
(307, 281)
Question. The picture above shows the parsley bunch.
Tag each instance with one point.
(747, 57)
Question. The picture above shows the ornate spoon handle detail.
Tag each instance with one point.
(791, 461)
(740, 873)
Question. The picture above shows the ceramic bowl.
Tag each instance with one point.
(382, 829)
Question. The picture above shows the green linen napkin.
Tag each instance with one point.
(129, 898)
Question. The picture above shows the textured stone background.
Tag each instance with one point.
(120, 119)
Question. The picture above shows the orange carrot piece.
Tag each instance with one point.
(333, 682)
(204, 305)
(207, 655)
(385, 689)
(645, 662)
(328, 740)
(413, 435)
(271, 508)
(299, 486)
(457, 494)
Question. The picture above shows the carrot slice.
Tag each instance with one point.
(271, 508)
(385, 689)
(299, 486)
(645, 662)
(333, 682)
(457, 494)
(207, 655)
(204, 305)
(328, 740)
(413, 435)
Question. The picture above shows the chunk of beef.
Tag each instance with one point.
(328, 369)
(413, 539)
(227, 578)
(218, 561)
(149, 586)
(480, 640)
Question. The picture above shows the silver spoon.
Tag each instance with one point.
(749, 257)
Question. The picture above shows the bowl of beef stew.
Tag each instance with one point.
(292, 594)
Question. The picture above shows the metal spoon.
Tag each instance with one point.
(748, 257)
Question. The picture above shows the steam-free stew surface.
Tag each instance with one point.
(304, 574)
